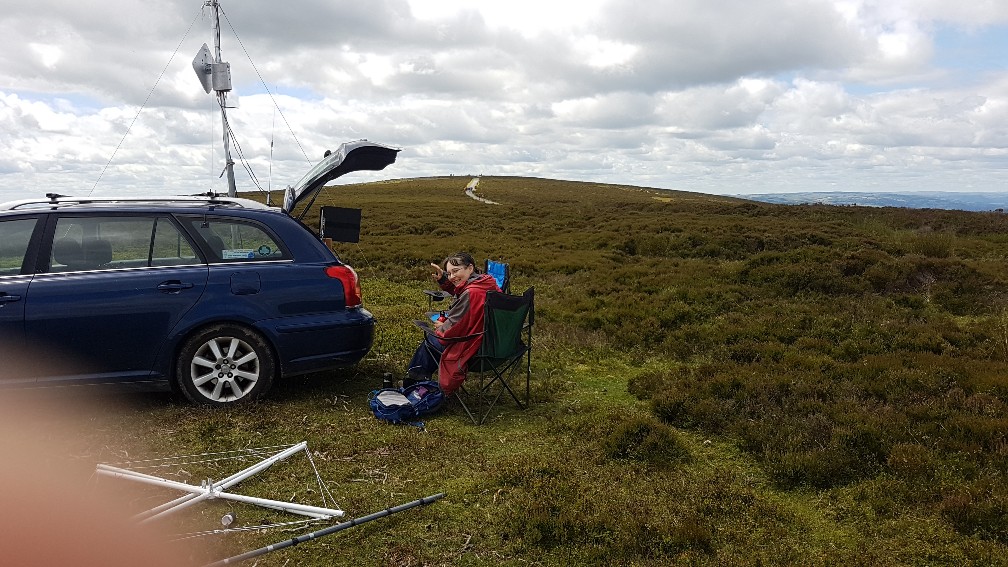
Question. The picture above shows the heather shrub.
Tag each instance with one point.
(932, 244)
(646, 440)
(912, 461)
(566, 505)
(979, 508)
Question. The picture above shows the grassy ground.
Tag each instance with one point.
(715, 382)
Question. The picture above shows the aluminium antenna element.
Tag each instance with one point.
(213, 75)
(203, 65)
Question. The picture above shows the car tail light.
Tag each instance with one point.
(351, 285)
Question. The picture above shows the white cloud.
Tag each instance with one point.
(48, 55)
(528, 17)
(601, 53)
(744, 95)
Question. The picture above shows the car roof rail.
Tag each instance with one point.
(54, 200)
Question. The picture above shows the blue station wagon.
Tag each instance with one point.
(215, 297)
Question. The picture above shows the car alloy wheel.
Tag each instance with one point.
(225, 364)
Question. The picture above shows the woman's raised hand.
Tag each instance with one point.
(438, 272)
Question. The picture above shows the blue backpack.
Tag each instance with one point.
(406, 405)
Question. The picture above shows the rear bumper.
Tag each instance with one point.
(311, 343)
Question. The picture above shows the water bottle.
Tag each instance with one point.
(387, 380)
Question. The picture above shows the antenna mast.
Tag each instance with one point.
(215, 75)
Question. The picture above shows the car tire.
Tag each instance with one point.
(224, 365)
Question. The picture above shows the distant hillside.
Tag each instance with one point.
(922, 200)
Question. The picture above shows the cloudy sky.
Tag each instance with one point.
(99, 97)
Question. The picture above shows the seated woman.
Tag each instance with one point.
(458, 335)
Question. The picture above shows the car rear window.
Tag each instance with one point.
(231, 240)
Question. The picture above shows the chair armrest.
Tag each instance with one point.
(437, 294)
(427, 328)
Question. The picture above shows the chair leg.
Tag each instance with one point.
(483, 390)
(528, 370)
(505, 386)
(458, 397)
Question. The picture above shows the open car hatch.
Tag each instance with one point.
(350, 156)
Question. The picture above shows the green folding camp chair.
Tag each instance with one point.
(507, 340)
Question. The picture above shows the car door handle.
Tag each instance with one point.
(9, 298)
(173, 286)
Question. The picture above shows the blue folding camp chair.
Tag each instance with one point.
(501, 272)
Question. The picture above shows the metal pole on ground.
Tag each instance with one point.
(327, 531)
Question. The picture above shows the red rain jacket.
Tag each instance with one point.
(464, 318)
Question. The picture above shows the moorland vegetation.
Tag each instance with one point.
(715, 381)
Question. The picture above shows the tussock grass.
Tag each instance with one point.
(716, 382)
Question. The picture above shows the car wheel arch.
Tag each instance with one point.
(185, 340)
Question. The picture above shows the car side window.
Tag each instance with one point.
(14, 238)
(110, 243)
(170, 247)
(234, 241)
